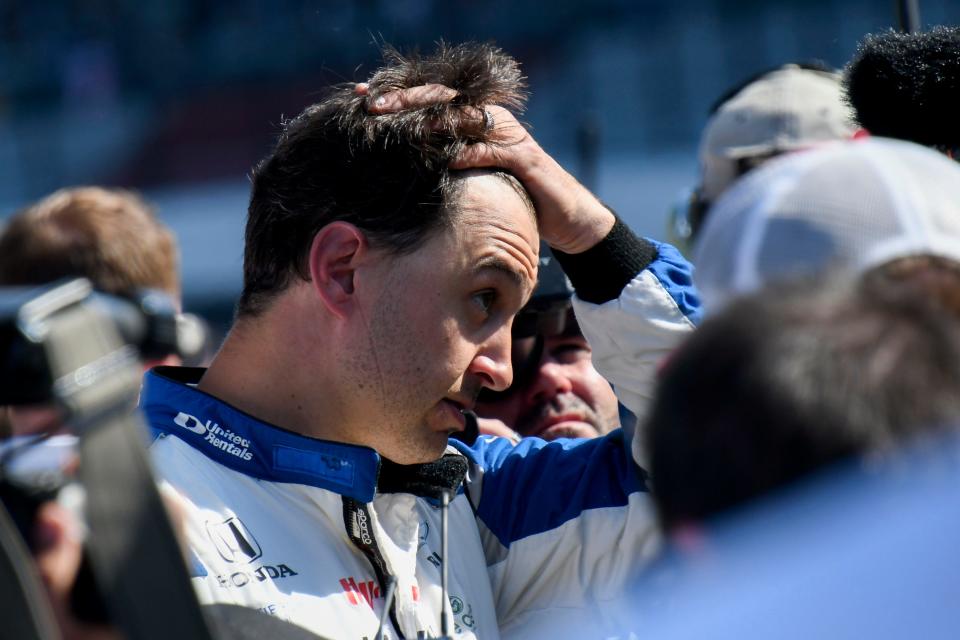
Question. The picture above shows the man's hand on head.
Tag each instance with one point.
(570, 218)
(413, 98)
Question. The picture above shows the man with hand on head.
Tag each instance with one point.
(393, 234)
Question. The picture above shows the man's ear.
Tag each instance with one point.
(335, 254)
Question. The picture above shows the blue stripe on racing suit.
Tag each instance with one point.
(553, 481)
(675, 274)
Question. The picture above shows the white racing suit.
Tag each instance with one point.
(299, 527)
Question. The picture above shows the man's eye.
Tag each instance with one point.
(485, 299)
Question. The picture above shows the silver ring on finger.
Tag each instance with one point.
(488, 121)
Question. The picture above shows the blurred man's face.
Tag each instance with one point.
(560, 395)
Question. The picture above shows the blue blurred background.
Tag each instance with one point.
(179, 98)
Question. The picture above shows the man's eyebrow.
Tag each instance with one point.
(495, 263)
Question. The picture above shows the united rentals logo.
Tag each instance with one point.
(221, 438)
(233, 541)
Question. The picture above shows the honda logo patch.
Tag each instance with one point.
(233, 541)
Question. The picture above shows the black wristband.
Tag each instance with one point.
(600, 273)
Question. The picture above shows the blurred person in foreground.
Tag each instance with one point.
(786, 385)
(817, 469)
(113, 238)
(556, 390)
(109, 236)
(789, 108)
(392, 236)
(817, 375)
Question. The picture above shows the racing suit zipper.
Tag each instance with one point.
(357, 520)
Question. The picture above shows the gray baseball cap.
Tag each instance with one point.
(790, 108)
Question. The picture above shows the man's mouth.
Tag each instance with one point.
(453, 411)
(564, 416)
(568, 425)
(549, 421)
(465, 403)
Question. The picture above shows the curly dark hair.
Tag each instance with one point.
(387, 174)
(906, 85)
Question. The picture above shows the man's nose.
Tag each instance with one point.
(492, 363)
(550, 380)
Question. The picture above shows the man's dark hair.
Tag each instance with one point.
(774, 388)
(387, 174)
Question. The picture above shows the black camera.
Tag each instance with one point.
(77, 354)
(37, 325)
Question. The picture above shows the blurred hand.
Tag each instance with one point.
(493, 427)
(58, 543)
(570, 218)
(35, 419)
(59, 550)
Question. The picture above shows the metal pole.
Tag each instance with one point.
(387, 603)
(909, 13)
(444, 509)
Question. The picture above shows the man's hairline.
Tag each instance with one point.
(493, 263)
(453, 196)
(460, 176)
(454, 193)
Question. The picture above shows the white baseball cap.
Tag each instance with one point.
(847, 205)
